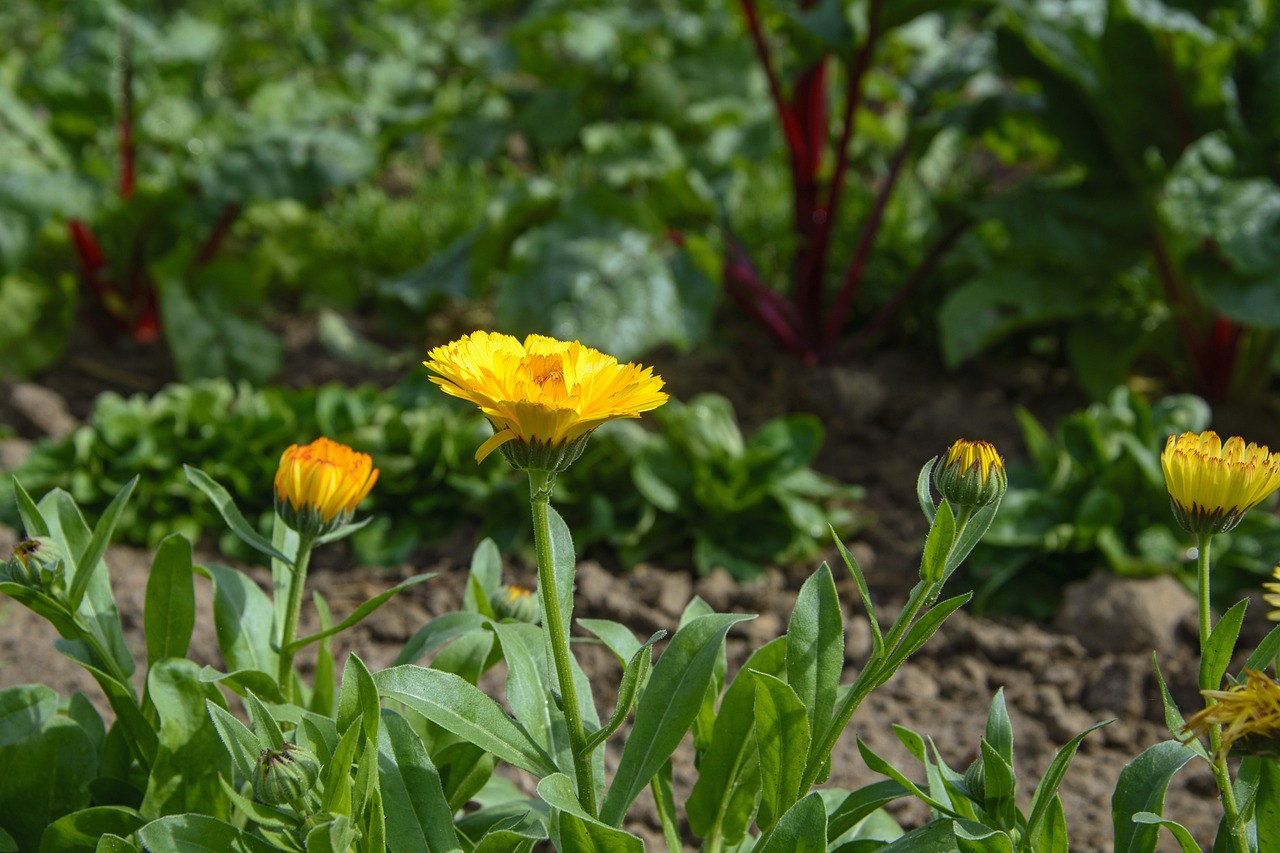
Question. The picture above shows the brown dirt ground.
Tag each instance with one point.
(884, 419)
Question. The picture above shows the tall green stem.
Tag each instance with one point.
(540, 483)
(1237, 831)
(289, 633)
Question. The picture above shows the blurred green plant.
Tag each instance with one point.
(1148, 234)
(1093, 496)
(695, 482)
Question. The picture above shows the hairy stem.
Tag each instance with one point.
(289, 632)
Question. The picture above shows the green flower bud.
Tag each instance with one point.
(971, 474)
(284, 775)
(975, 780)
(515, 603)
(37, 563)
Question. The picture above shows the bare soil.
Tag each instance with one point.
(884, 418)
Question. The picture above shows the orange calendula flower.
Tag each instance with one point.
(1211, 484)
(971, 474)
(543, 396)
(1249, 714)
(319, 485)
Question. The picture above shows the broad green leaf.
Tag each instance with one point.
(458, 706)
(815, 647)
(358, 700)
(1217, 653)
(46, 776)
(677, 688)
(724, 796)
(1141, 788)
(287, 541)
(436, 633)
(191, 756)
(242, 617)
(573, 829)
(464, 770)
(226, 507)
(24, 710)
(418, 816)
(335, 836)
(803, 829)
(170, 613)
(110, 843)
(324, 679)
(563, 563)
(361, 612)
(195, 833)
(79, 832)
(140, 736)
(782, 743)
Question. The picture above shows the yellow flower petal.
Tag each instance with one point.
(1211, 484)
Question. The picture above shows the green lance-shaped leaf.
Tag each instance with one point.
(1042, 801)
(337, 778)
(358, 700)
(803, 829)
(242, 619)
(972, 534)
(619, 638)
(999, 731)
(1051, 837)
(418, 815)
(937, 545)
(360, 612)
(265, 726)
(244, 680)
(924, 490)
(170, 610)
(1186, 841)
(112, 843)
(226, 507)
(877, 639)
(782, 742)
(485, 577)
(1221, 645)
(436, 633)
(999, 788)
(1141, 788)
(88, 559)
(1265, 654)
(529, 689)
(723, 799)
(667, 709)
(458, 706)
(876, 764)
(32, 521)
(815, 647)
(919, 634)
(324, 678)
(860, 803)
(241, 743)
(1267, 805)
(632, 677)
(573, 829)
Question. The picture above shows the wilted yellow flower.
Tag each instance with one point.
(543, 395)
(1249, 714)
(1212, 485)
(971, 474)
(318, 485)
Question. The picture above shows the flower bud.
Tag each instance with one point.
(975, 780)
(318, 486)
(37, 564)
(515, 603)
(971, 474)
(284, 775)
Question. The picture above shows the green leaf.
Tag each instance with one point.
(919, 634)
(337, 774)
(464, 771)
(999, 732)
(226, 507)
(529, 689)
(564, 564)
(1267, 806)
(324, 677)
(243, 680)
(924, 490)
(1000, 789)
(677, 688)
(877, 639)
(1045, 798)
(635, 673)
(418, 816)
(1052, 837)
(359, 698)
(1265, 654)
(240, 741)
(782, 743)
(1173, 718)
(724, 796)
(937, 545)
(486, 571)
(170, 609)
(436, 633)
(190, 757)
(46, 777)
(361, 612)
(859, 804)
(115, 844)
(88, 560)
(1218, 651)
(265, 726)
(242, 617)
(194, 833)
(815, 648)
(1185, 840)
(876, 764)
(1141, 788)
(619, 638)
(33, 522)
(335, 836)
(24, 710)
(803, 829)
(80, 831)
(573, 829)
(454, 704)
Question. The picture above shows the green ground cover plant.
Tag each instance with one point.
(404, 758)
(692, 481)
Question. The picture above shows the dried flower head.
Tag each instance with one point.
(1212, 485)
(318, 485)
(1249, 714)
(543, 396)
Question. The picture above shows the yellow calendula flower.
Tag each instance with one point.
(318, 485)
(1249, 714)
(543, 396)
(1272, 595)
(1211, 484)
(971, 474)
